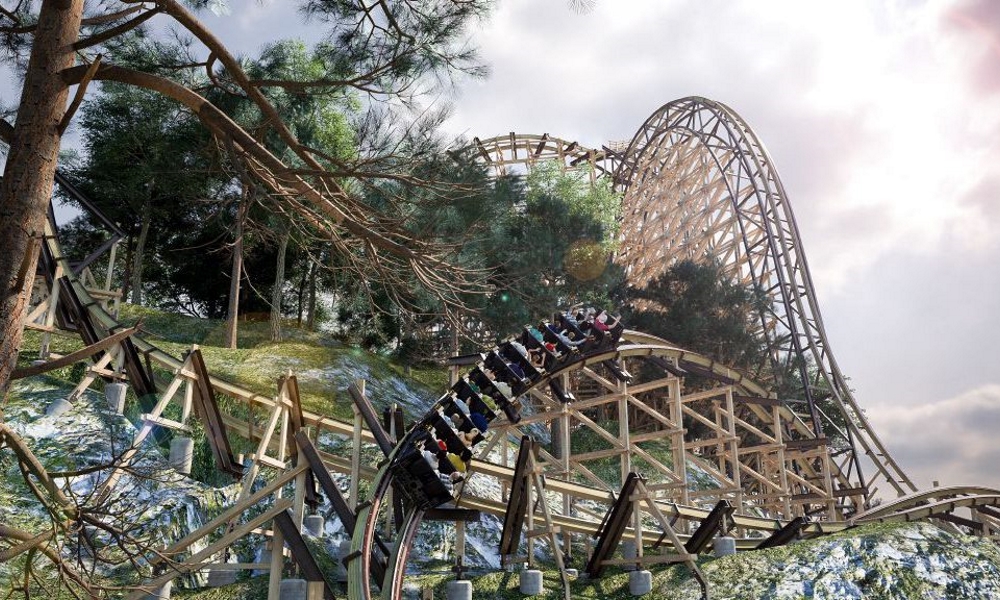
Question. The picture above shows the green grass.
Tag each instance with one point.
(612, 585)
(257, 363)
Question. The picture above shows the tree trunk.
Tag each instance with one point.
(140, 250)
(311, 319)
(127, 275)
(279, 284)
(26, 189)
(303, 281)
(236, 276)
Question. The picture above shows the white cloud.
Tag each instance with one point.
(952, 441)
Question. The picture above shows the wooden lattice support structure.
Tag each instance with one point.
(698, 184)
(283, 515)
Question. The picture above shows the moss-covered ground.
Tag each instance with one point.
(257, 362)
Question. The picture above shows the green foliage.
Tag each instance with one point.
(550, 247)
(697, 307)
(251, 589)
(258, 363)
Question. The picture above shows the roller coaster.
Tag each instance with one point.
(596, 436)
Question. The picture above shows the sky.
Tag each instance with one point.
(883, 120)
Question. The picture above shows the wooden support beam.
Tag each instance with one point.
(348, 518)
(198, 559)
(517, 503)
(454, 515)
(950, 518)
(756, 400)
(300, 552)
(713, 524)
(805, 444)
(540, 531)
(613, 527)
(82, 354)
(790, 532)
(371, 419)
(651, 559)
(209, 414)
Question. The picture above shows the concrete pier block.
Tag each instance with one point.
(293, 589)
(313, 524)
(115, 393)
(458, 590)
(182, 454)
(724, 546)
(531, 582)
(161, 593)
(58, 407)
(640, 583)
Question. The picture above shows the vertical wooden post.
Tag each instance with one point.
(389, 501)
(733, 449)
(623, 433)
(111, 267)
(504, 461)
(277, 538)
(460, 543)
(831, 502)
(531, 517)
(720, 445)
(564, 454)
(189, 401)
(356, 449)
(677, 440)
(50, 314)
(298, 506)
(782, 472)
(277, 560)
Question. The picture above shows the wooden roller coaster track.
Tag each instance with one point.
(698, 184)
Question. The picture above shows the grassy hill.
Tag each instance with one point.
(323, 365)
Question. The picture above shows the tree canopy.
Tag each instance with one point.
(695, 306)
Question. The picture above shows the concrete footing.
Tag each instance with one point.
(724, 546)
(161, 593)
(182, 454)
(531, 582)
(458, 590)
(640, 583)
(115, 393)
(58, 407)
(313, 525)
